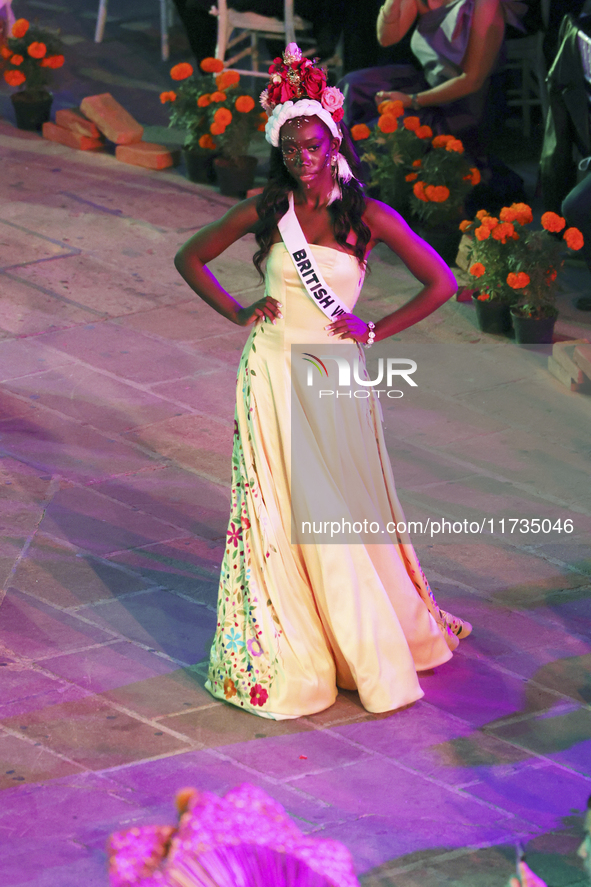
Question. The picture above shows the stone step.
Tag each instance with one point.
(112, 119)
(147, 154)
(565, 378)
(75, 121)
(563, 354)
(55, 133)
(582, 358)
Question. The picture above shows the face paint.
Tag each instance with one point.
(305, 146)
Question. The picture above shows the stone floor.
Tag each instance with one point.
(116, 413)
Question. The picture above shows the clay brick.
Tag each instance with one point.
(55, 133)
(462, 256)
(146, 154)
(75, 121)
(583, 358)
(112, 119)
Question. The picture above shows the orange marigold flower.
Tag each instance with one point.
(489, 222)
(53, 61)
(206, 141)
(261, 127)
(360, 131)
(218, 96)
(503, 231)
(17, 59)
(37, 50)
(244, 104)
(212, 66)
(223, 117)
(483, 297)
(417, 163)
(20, 28)
(227, 79)
(519, 280)
(5, 52)
(396, 108)
(553, 222)
(477, 269)
(14, 78)
(169, 96)
(418, 189)
(482, 233)
(465, 225)
(411, 177)
(217, 129)
(203, 101)
(481, 214)
(182, 71)
(473, 176)
(455, 145)
(574, 238)
(387, 123)
(411, 123)
(424, 132)
(436, 193)
(517, 212)
(441, 141)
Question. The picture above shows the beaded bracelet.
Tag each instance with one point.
(370, 335)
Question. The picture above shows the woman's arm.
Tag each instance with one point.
(439, 284)
(486, 38)
(394, 20)
(206, 245)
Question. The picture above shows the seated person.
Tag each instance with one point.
(456, 44)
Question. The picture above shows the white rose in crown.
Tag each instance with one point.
(332, 99)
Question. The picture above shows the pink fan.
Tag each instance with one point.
(242, 840)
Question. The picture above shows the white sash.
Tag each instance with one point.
(306, 266)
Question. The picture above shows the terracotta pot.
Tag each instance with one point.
(199, 166)
(235, 178)
(31, 109)
(533, 330)
(492, 316)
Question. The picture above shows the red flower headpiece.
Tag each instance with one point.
(295, 77)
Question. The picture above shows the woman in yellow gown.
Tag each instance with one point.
(296, 621)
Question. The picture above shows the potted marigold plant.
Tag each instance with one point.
(392, 151)
(519, 268)
(440, 187)
(218, 119)
(29, 57)
(425, 178)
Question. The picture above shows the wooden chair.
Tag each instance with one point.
(236, 27)
(525, 55)
(166, 13)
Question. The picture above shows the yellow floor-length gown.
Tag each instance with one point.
(296, 621)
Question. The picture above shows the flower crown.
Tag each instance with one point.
(294, 77)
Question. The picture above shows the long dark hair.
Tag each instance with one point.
(346, 214)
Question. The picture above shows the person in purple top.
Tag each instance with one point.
(456, 43)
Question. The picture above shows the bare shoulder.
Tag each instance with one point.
(486, 11)
(383, 221)
(243, 215)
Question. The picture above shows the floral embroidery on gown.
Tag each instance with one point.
(296, 621)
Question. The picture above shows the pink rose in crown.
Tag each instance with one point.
(338, 115)
(314, 82)
(332, 100)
